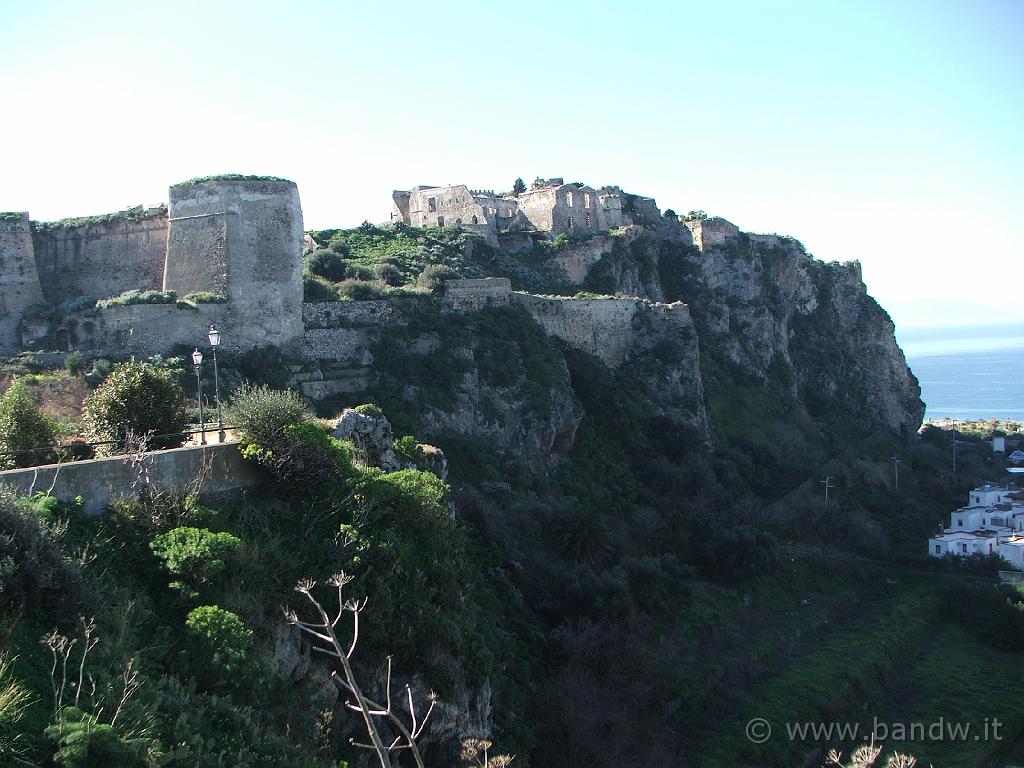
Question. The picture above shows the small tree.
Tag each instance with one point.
(23, 427)
(136, 399)
(195, 555)
(434, 275)
(518, 187)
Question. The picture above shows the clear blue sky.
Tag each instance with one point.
(888, 132)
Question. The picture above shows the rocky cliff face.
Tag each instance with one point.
(693, 314)
(766, 308)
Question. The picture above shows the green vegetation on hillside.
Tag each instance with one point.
(227, 177)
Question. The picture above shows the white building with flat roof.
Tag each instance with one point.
(991, 524)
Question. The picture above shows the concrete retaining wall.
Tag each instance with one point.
(101, 481)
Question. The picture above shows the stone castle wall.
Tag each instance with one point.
(342, 331)
(598, 326)
(99, 259)
(477, 293)
(243, 239)
(19, 280)
(144, 330)
(708, 233)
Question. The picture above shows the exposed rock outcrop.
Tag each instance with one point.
(370, 433)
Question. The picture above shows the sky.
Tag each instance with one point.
(888, 132)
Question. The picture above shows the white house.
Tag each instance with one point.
(991, 524)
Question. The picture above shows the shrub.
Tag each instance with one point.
(14, 699)
(261, 413)
(734, 554)
(433, 276)
(74, 363)
(82, 742)
(340, 247)
(24, 428)
(223, 635)
(390, 274)
(33, 570)
(205, 297)
(327, 263)
(316, 288)
(214, 731)
(280, 433)
(136, 399)
(362, 290)
(305, 457)
(369, 409)
(136, 296)
(195, 555)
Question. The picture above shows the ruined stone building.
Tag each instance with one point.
(550, 206)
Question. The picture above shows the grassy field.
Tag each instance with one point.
(845, 642)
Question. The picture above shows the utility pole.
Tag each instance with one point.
(896, 461)
(827, 482)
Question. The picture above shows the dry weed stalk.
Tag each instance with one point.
(325, 631)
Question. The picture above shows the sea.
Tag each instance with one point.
(972, 372)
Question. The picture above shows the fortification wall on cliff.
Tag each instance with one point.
(19, 281)
(101, 257)
(605, 328)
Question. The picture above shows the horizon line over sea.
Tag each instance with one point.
(968, 372)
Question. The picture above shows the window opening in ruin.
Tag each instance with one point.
(587, 217)
(475, 221)
(458, 222)
(440, 221)
(586, 199)
(572, 223)
(432, 204)
(568, 199)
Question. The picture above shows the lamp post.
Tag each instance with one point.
(214, 335)
(197, 361)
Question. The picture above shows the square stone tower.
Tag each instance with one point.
(240, 237)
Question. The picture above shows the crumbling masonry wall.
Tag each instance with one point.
(101, 258)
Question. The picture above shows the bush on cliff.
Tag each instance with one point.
(24, 429)
(137, 401)
(280, 433)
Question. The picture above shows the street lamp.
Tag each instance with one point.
(214, 335)
(197, 361)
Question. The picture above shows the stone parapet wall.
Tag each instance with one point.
(477, 293)
(101, 481)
